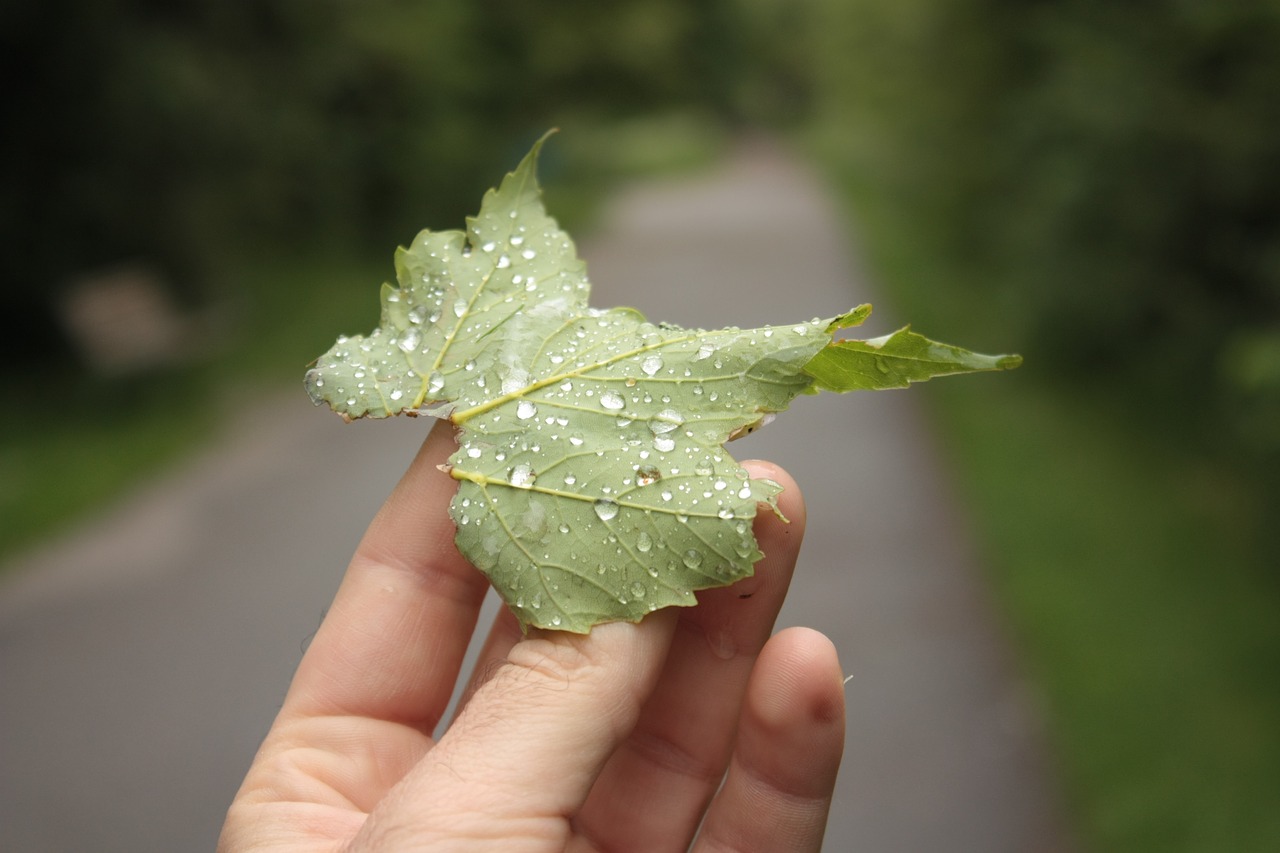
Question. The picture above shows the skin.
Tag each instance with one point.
(616, 740)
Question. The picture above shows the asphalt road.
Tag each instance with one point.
(143, 656)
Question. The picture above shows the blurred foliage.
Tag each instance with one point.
(1097, 185)
(1105, 175)
(263, 159)
(189, 134)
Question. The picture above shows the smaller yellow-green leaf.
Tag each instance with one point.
(895, 361)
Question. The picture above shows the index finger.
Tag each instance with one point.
(391, 645)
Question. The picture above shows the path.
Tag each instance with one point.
(142, 658)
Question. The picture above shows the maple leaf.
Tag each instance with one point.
(593, 481)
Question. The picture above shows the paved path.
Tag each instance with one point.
(142, 659)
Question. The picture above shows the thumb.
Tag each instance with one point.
(521, 757)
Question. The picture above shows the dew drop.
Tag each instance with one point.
(692, 558)
(516, 380)
(606, 509)
(665, 421)
(647, 475)
(576, 440)
(652, 365)
(410, 340)
(704, 352)
(526, 410)
(637, 590)
(569, 479)
(396, 394)
(744, 492)
(644, 542)
(612, 400)
(460, 308)
(522, 476)
(473, 452)
(504, 262)
(664, 443)
(435, 383)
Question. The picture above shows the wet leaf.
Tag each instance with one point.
(593, 481)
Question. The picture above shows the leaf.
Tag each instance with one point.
(593, 482)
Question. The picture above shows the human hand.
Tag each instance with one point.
(615, 740)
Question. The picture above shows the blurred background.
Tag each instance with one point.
(191, 187)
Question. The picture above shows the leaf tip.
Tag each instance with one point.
(1009, 362)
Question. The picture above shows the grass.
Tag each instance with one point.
(1130, 564)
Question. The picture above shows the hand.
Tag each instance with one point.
(616, 740)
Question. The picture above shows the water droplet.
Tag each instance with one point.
(516, 380)
(644, 542)
(522, 476)
(555, 620)
(396, 394)
(692, 558)
(435, 383)
(725, 513)
(460, 308)
(526, 410)
(490, 246)
(666, 496)
(612, 400)
(569, 479)
(647, 475)
(564, 528)
(744, 492)
(664, 443)
(504, 262)
(606, 509)
(652, 364)
(704, 351)
(576, 440)
(719, 485)
(410, 340)
(473, 452)
(637, 590)
(528, 254)
(665, 421)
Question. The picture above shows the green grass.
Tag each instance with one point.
(1131, 566)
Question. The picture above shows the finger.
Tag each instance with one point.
(525, 751)
(503, 634)
(791, 736)
(653, 793)
(391, 645)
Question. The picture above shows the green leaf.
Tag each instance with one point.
(593, 482)
(895, 361)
